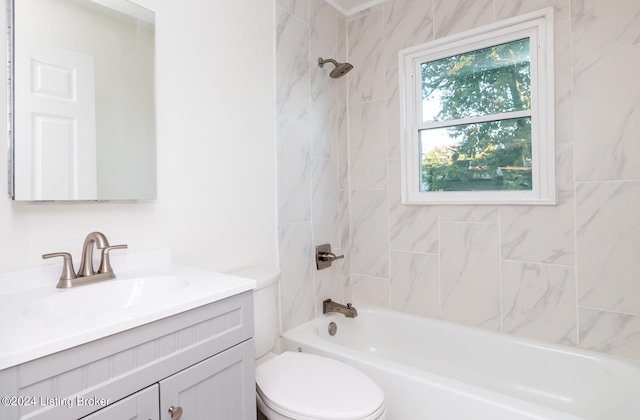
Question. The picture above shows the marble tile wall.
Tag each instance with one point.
(566, 274)
(310, 109)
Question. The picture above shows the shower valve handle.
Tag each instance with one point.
(329, 256)
(324, 256)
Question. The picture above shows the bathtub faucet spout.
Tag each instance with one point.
(346, 310)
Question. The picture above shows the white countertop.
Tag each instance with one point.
(28, 331)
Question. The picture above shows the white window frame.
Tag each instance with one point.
(538, 27)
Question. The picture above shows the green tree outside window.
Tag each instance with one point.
(473, 145)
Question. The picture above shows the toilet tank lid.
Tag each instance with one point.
(264, 276)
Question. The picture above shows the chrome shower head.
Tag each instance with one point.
(340, 70)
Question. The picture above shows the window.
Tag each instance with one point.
(478, 116)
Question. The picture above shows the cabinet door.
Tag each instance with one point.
(143, 405)
(220, 387)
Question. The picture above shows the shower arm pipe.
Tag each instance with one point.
(323, 61)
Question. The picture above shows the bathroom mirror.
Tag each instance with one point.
(81, 100)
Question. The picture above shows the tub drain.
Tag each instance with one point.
(333, 328)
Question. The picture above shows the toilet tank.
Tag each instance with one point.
(265, 306)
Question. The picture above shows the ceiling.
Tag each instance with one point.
(349, 7)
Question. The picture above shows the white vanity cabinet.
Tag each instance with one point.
(143, 405)
(215, 389)
(201, 361)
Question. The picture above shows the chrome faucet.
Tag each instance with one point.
(347, 310)
(98, 240)
(86, 273)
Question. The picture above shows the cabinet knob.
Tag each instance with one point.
(176, 412)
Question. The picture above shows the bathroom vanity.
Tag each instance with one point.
(184, 346)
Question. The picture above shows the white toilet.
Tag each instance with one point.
(304, 386)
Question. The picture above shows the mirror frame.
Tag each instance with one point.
(10, 102)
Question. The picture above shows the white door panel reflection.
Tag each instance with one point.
(56, 96)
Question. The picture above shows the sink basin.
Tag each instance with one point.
(109, 296)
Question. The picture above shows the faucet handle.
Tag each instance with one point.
(67, 267)
(105, 264)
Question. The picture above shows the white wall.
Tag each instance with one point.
(216, 151)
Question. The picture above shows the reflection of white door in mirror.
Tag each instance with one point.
(56, 96)
(119, 143)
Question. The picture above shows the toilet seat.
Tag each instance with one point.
(311, 387)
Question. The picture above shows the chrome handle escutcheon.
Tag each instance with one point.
(324, 256)
(176, 412)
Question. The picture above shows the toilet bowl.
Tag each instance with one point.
(298, 385)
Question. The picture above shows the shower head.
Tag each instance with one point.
(340, 70)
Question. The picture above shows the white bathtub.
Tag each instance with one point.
(431, 369)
